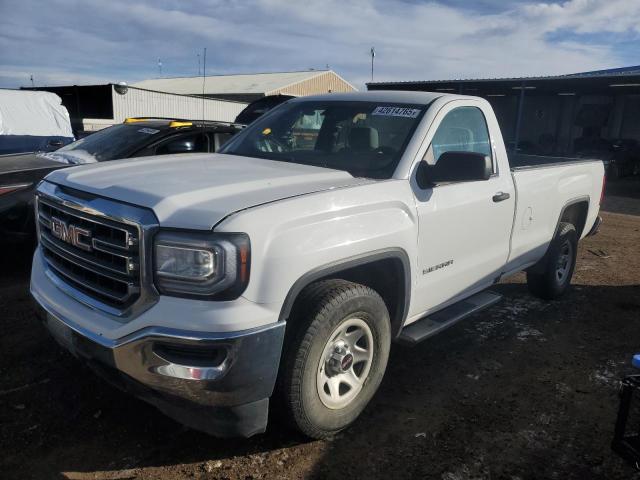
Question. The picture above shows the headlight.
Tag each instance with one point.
(202, 265)
(186, 263)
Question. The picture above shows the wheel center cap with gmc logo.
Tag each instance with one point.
(346, 362)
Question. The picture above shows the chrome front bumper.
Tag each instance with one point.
(219, 383)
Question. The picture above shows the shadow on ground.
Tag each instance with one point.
(526, 390)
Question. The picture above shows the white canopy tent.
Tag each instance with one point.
(33, 113)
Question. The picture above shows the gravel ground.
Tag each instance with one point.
(524, 390)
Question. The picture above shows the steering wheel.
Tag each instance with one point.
(385, 150)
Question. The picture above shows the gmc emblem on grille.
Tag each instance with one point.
(76, 236)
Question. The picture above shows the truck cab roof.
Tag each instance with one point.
(392, 96)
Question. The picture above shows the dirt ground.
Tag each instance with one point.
(525, 390)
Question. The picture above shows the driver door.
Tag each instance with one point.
(464, 233)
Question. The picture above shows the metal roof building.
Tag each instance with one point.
(249, 87)
(580, 113)
(92, 107)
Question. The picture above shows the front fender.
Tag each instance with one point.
(292, 238)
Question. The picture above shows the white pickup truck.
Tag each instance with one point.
(284, 267)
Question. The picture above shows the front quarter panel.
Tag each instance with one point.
(293, 237)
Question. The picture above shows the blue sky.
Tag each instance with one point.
(97, 41)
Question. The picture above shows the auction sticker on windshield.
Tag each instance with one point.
(397, 112)
(150, 131)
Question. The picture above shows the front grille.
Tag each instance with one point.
(102, 261)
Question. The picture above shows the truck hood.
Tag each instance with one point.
(198, 190)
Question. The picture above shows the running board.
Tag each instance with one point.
(438, 321)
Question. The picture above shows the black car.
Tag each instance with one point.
(136, 137)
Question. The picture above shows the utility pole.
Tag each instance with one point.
(198, 64)
(31, 78)
(204, 77)
(373, 55)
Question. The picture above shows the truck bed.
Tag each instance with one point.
(544, 187)
(520, 161)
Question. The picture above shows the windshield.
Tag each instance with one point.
(365, 139)
(110, 143)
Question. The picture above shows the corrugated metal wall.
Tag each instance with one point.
(324, 83)
(146, 103)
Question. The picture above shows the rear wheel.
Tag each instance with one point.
(337, 356)
(558, 265)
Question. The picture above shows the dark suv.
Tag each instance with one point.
(136, 137)
(140, 137)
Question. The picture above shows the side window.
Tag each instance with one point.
(463, 129)
(184, 144)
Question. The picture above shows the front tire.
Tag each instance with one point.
(558, 265)
(336, 357)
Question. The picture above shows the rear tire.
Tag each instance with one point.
(558, 264)
(336, 356)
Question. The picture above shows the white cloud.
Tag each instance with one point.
(587, 16)
(19, 76)
(115, 40)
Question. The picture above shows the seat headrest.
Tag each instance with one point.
(363, 138)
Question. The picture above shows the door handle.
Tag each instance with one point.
(500, 196)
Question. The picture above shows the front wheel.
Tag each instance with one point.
(558, 265)
(337, 357)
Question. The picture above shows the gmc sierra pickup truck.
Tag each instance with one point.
(282, 268)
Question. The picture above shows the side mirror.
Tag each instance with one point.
(455, 167)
